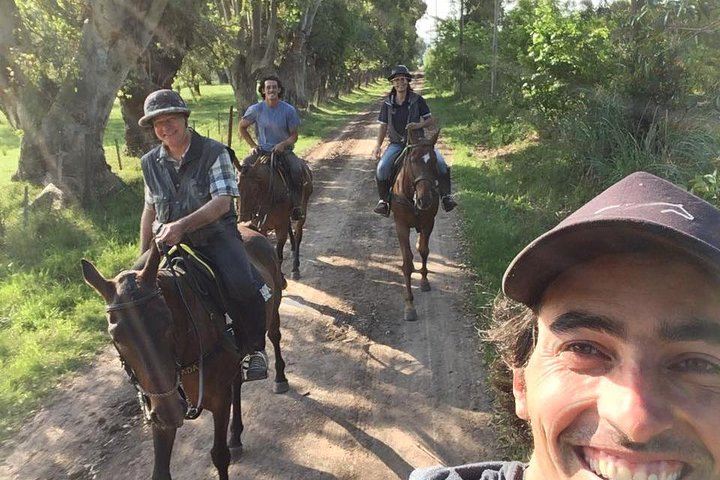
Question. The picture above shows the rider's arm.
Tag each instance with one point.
(288, 142)
(146, 221)
(245, 134)
(171, 233)
(223, 187)
(382, 131)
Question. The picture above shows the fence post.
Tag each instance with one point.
(26, 206)
(230, 126)
(117, 150)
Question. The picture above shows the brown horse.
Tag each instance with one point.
(414, 203)
(174, 347)
(265, 201)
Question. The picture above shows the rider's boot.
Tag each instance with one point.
(446, 198)
(383, 206)
(255, 364)
(296, 200)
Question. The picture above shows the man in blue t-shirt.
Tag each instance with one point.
(276, 129)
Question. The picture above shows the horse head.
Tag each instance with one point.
(420, 168)
(141, 326)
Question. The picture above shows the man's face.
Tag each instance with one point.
(400, 83)
(170, 129)
(272, 90)
(624, 382)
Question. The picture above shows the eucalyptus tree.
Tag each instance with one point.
(197, 50)
(61, 65)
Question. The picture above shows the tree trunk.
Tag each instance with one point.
(63, 134)
(293, 67)
(256, 45)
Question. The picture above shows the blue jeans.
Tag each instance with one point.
(385, 164)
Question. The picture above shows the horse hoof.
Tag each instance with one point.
(281, 387)
(410, 315)
(424, 286)
(295, 275)
(236, 452)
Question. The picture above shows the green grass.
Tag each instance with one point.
(51, 323)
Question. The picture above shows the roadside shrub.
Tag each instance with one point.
(609, 145)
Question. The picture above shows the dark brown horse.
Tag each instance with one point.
(172, 343)
(414, 204)
(265, 201)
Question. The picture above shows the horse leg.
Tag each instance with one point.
(295, 273)
(163, 439)
(423, 246)
(403, 234)
(236, 425)
(220, 452)
(281, 382)
(281, 235)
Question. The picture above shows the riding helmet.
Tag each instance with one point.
(161, 102)
(400, 70)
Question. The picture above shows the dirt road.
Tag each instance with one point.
(371, 396)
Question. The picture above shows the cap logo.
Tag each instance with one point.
(661, 207)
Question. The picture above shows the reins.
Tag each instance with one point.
(192, 412)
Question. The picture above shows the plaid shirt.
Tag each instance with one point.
(222, 177)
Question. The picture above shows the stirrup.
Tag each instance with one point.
(382, 208)
(448, 202)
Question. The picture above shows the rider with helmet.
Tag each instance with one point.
(189, 189)
(276, 129)
(404, 110)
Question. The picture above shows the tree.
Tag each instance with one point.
(61, 70)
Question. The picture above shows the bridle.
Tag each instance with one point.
(192, 412)
(417, 178)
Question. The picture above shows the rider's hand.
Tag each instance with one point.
(170, 234)
(279, 148)
(376, 153)
(413, 125)
(255, 150)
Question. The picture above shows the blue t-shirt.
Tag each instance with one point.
(272, 124)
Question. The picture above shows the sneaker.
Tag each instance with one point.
(448, 203)
(382, 208)
(254, 366)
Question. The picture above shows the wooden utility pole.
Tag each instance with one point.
(493, 68)
(461, 50)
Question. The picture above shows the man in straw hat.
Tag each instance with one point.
(615, 361)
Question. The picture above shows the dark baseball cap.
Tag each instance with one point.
(639, 213)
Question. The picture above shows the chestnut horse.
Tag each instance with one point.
(414, 204)
(265, 201)
(173, 345)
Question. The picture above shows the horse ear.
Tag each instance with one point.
(95, 279)
(434, 138)
(411, 137)
(150, 270)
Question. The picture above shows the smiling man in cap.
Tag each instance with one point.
(615, 360)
